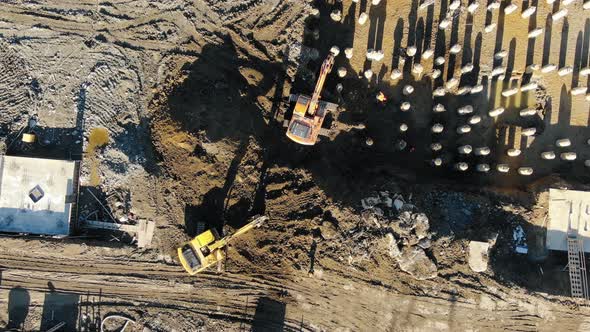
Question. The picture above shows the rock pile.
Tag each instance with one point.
(402, 226)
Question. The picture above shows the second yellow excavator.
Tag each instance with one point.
(207, 248)
(309, 112)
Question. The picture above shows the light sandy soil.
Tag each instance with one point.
(190, 92)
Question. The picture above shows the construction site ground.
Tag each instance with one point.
(176, 109)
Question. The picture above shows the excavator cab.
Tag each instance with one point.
(197, 254)
(309, 112)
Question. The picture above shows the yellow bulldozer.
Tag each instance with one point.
(208, 248)
(309, 112)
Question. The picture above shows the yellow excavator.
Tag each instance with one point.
(207, 248)
(309, 112)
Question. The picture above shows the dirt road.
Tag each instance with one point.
(326, 303)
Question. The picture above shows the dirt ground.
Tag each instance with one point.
(190, 96)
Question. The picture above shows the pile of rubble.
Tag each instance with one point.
(400, 224)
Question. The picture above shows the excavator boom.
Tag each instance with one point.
(319, 86)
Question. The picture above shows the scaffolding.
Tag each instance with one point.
(577, 268)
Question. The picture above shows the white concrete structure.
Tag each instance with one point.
(395, 74)
(503, 168)
(535, 33)
(439, 108)
(37, 195)
(482, 168)
(528, 12)
(482, 151)
(363, 17)
(428, 53)
(548, 155)
(510, 9)
(528, 112)
(548, 68)
(489, 28)
(405, 106)
(569, 213)
(477, 89)
(348, 52)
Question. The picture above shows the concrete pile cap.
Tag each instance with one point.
(568, 156)
(498, 71)
(477, 89)
(315, 12)
(363, 17)
(405, 106)
(579, 90)
(427, 53)
(525, 171)
(548, 155)
(501, 54)
(559, 15)
(585, 71)
(510, 92)
(437, 161)
(528, 112)
(496, 112)
(503, 168)
(336, 15)
(532, 68)
(436, 146)
(565, 71)
(465, 149)
(348, 52)
(473, 7)
(455, 49)
(341, 71)
(474, 119)
(467, 68)
(535, 32)
(395, 74)
(548, 68)
(452, 83)
(528, 12)
(411, 50)
(463, 90)
(483, 168)
(425, 4)
(494, 5)
(461, 166)
(513, 152)
(464, 129)
(417, 69)
(467, 109)
(529, 131)
(489, 28)
(408, 90)
(563, 142)
(369, 141)
(455, 5)
(335, 50)
(438, 108)
(510, 9)
(444, 23)
(368, 74)
(439, 92)
(482, 151)
(437, 128)
(403, 127)
(439, 60)
(436, 73)
(529, 86)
